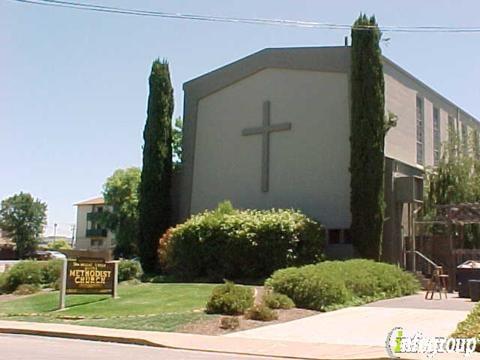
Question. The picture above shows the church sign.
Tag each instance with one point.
(87, 272)
(90, 276)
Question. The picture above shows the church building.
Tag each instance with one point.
(272, 130)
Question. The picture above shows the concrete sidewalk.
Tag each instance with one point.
(358, 326)
(370, 324)
(267, 348)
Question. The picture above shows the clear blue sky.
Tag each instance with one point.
(73, 84)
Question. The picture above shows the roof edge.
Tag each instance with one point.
(92, 201)
(408, 74)
(296, 58)
(327, 59)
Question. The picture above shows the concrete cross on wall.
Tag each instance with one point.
(265, 131)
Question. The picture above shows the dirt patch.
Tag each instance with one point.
(9, 297)
(211, 325)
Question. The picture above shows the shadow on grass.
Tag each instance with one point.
(171, 279)
(86, 302)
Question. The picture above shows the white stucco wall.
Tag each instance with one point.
(81, 242)
(400, 98)
(400, 141)
(308, 164)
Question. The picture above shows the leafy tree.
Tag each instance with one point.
(59, 245)
(22, 217)
(455, 180)
(369, 126)
(155, 185)
(120, 192)
(177, 141)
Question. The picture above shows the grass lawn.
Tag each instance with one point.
(159, 307)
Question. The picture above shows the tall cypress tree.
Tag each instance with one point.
(368, 130)
(155, 198)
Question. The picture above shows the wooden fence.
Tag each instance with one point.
(462, 255)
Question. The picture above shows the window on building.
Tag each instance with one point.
(452, 136)
(476, 144)
(420, 132)
(465, 138)
(451, 124)
(96, 242)
(347, 236)
(339, 236)
(437, 142)
(334, 236)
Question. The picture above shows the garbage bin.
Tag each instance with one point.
(474, 286)
(469, 270)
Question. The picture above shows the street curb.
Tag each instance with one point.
(66, 335)
(143, 342)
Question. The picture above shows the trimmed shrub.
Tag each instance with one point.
(229, 323)
(129, 270)
(31, 272)
(24, 272)
(277, 301)
(229, 299)
(261, 312)
(309, 288)
(240, 244)
(3, 279)
(26, 289)
(336, 283)
(51, 272)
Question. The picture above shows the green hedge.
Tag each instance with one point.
(470, 327)
(129, 270)
(335, 283)
(31, 272)
(240, 244)
(277, 301)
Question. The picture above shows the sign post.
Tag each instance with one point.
(115, 280)
(63, 283)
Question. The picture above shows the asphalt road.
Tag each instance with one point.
(27, 347)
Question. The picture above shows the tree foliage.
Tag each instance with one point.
(369, 126)
(22, 217)
(59, 245)
(155, 184)
(120, 192)
(177, 141)
(456, 179)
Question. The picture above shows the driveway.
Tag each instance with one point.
(370, 324)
